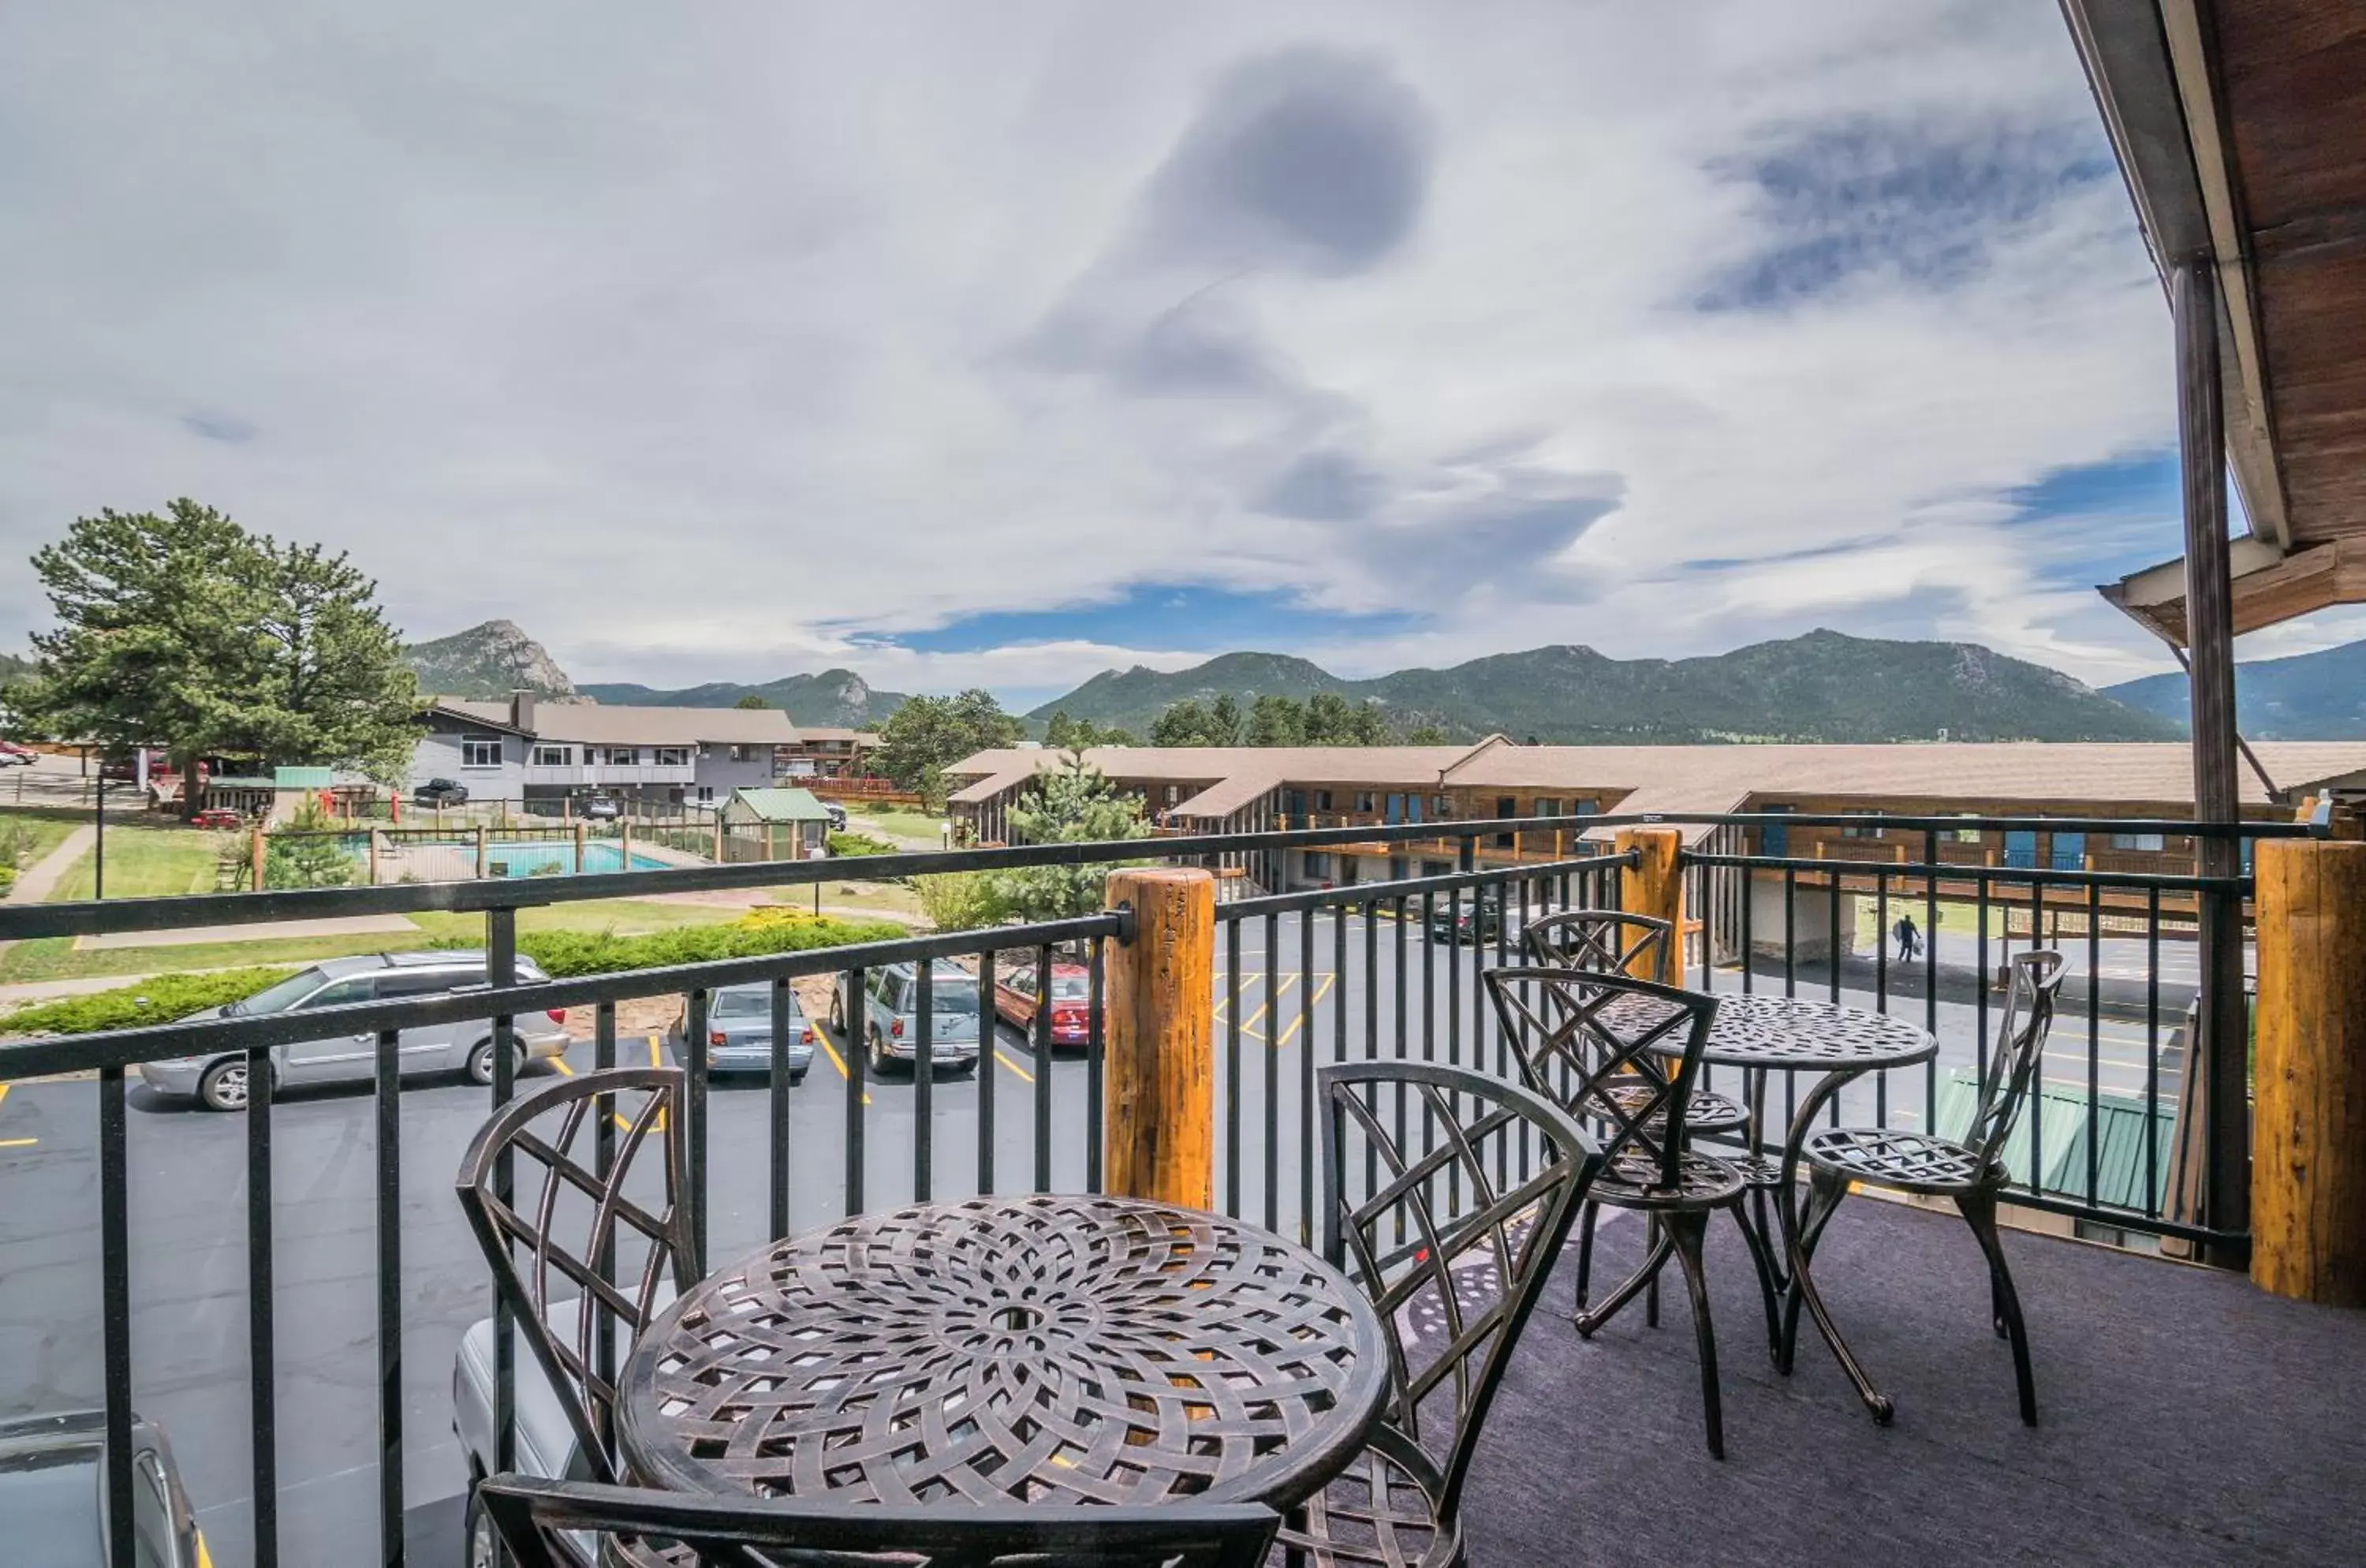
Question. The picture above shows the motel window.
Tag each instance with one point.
(1966, 835)
(1861, 830)
(1397, 872)
(620, 756)
(673, 756)
(481, 751)
(2148, 842)
(742, 754)
(1366, 801)
(1442, 807)
(1437, 868)
(1549, 805)
(1322, 800)
(1318, 866)
(554, 756)
(1174, 793)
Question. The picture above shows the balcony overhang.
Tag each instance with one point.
(2241, 131)
(2268, 586)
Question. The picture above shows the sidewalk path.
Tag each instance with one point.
(37, 881)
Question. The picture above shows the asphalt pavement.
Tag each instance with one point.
(1376, 989)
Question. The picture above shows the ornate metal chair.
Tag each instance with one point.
(1596, 1046)
(1446, 1195)
(580, 1297)
(1971, 1171)
(540, 1521)
(1611, 941)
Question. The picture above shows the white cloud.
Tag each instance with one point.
(699, 341)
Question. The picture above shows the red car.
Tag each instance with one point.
(217, 817)
(1014, 1002)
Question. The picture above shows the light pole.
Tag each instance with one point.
(98, 836)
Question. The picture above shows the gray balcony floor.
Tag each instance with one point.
(2185, 1417)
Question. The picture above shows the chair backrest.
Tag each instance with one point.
(1446, 1196)
(574, 1233)
(1604, 942)
(752, 1533)
(2030, 991)
(1598, 1046)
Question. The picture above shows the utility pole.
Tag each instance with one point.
(98, 836)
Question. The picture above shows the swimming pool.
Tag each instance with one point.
(535, 859)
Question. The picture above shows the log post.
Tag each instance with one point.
(579, 847)
(2308, 1179)
(1654, 885)
(1158, 1135)
(258, 853)
(480, 852)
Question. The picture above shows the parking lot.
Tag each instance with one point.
(1395, 992)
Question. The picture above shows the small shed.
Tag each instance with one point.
(774, 824)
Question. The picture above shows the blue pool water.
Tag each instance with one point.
(526, 859)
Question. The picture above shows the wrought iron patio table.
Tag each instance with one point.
(1764, 1035)
(1052, 1349)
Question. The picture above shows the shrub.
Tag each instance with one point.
(961, 900)
(160, 1000)
(843, 845)
(564, 953)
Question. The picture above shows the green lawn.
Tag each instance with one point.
(147, 863)
(56, 958)
(906, 828)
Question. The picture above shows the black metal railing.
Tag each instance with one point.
(1396, 974)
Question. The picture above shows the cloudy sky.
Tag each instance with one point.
(1004, 342)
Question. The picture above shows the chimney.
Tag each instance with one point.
(521, 709)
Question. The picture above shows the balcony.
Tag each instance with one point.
(583, 773)
(318, 1235)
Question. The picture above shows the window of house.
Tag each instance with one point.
(706, 792)
(480, 750)
(673, 756)
(1550, 805)
(1966, 835)
(1322, 800)
(742, 754)
(1437, 868)
(1365, 800)
(2150, 842)
(1442, 807)
(1318, 866)
(554, 756)
(1861, 830)
(1397, 868)
(1174, 793)
(622, 756)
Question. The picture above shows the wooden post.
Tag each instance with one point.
(480, 851)
(255, 885)
(625, 844)
(1654, 885)
(373, 857)
(2308, 1177)
(1159, 1133)
(579, 849)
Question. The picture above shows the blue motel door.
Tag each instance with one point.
(2020, 849)
(2070, 852)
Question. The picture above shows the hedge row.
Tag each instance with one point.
(162, 999)
(566, 953)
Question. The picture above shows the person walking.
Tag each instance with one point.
(1910, 938)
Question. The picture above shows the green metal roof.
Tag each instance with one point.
(237, 781)
(2056, 1127)
(303, 778)
(781, 805)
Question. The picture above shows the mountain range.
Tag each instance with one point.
(1823, 686)
(2309, 697)
(835, 698)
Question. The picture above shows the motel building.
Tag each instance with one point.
(1545, 796)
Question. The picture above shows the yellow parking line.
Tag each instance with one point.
(1014, 1067)
(560, 1062)
(1323, 989)
(838, 1061)
(18, 1143)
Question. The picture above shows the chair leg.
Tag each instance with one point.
(1688, 1231)
(1651, 1286)
(1825, 1192)
(1590, 1319)
(1979, 1210)
(1585, 1223)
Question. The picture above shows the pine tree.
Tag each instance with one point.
(305, 853)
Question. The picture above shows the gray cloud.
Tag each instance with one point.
(225, 428)
(1312, 159)
(1323, 487)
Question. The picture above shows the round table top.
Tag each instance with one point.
(1052, 1349)
(1753, 1031)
